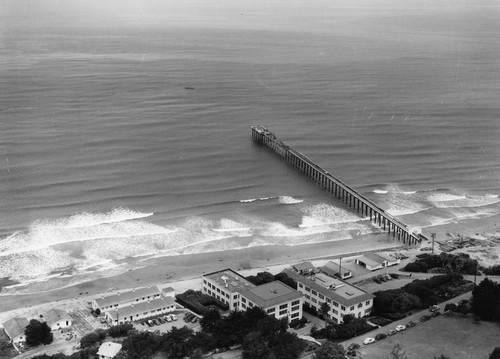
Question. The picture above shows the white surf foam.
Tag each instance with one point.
(289, 200)
(380, 191)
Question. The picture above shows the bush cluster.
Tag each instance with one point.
(443, 263)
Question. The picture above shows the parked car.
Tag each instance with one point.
(425, 318)
(433, 308)
(150, 323)
(391, 332)
(400, 328)
(368, 341)
(377, 280)
(155, 322)
(188, 317)
(436, 314)
(353, 346)
(194, 320)
(173, 316)
(380, 336)
(410, 324)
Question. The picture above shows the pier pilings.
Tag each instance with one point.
(335, 187)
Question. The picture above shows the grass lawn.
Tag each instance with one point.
(456, 337)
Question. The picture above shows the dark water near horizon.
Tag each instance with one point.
(124, 127)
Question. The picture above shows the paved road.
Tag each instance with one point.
(49, 349)
(414, 317)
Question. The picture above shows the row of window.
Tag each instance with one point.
(328, 300)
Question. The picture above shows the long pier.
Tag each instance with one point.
(336, 187)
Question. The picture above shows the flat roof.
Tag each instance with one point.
(140, 308)
(334, 267)
(347, 294)
(228, 278)
(127, 296)
(270, 294)
(303, 266)
(109, 349)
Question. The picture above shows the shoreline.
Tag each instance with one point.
(183, 272)
(170, 270)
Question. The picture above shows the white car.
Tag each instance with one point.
(400, 328)
(369, 341)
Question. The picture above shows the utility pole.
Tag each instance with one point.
(433, 236)
(340, 268)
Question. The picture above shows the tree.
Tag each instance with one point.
(209, 320)
(197, 354)
(330, 350)
(120, 330)
(97, 312)
(486, 300)
(325, 308)
(287, 346)
(495, 354)
(255, 347)
(38, 333)
(89, 340)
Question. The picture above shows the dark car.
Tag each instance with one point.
(411, 324)
(391, 332)
(425, 318)
(353, 346)
(380, 336)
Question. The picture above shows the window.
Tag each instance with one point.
(342, 307)
(204, 281)
(250, 304)
(271, 310)
(360, 305)
(335, 312)
(328, 300)
(282, 312)
(283, 306)
(301, 285)
(335, 304)
(294, 309)
(235, 296)
(367, 302)
(314, 292)
(314, 300)
(307, 289)
(295, 315)
(352, 308)
(321, 296)
(307, 296)
(243, 300)
(295, 302)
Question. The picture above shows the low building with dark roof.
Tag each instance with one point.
(140, 311)
(303, 268)
(14, 328)
(238, 293)
(124, 298)
(374, 261)
(342, 298)
(57, 319)
(335, 270)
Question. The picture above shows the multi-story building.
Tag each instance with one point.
(124, 298)
(341, 297)
(275, 298)
(139, 311)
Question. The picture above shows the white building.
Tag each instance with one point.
(124, 298)
(238, 293)
(374, 261)
(57, 319)
(341, 297)
(108, 350)
(141, 310)
(275, 298)
(304, 268)
(14, 328)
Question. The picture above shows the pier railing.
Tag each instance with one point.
(336, 187)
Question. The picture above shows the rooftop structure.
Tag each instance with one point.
(270, 294)
(125, 297)
(141, 310)
(229, 279)
(14, 328)
(108, 350)
(57, 318)
(374, 261)
(303, 267)
(333, 269)
(342, 297)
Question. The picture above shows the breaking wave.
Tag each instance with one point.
(289, 200)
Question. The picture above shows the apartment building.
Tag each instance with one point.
(342, 298)
(275, 298)
(139, 311)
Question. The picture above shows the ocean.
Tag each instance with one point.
(125, 125)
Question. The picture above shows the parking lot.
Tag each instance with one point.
(163, 325)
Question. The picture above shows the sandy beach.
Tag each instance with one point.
(183, 272)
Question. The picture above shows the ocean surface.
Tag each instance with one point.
(124, 125)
